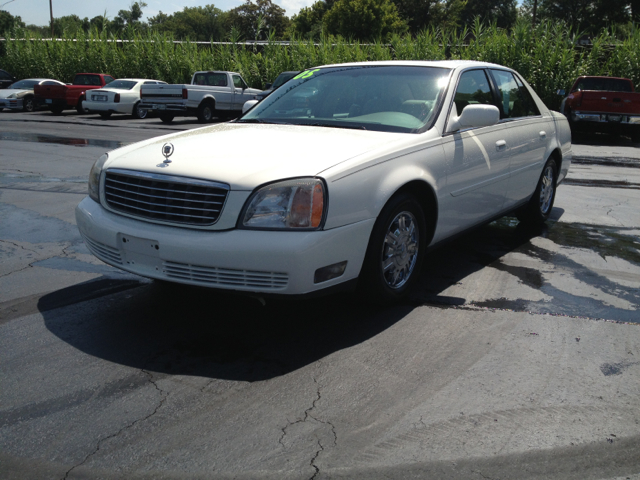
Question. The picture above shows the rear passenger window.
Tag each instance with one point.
(515, 100)
(473, 88)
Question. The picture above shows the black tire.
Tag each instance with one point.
(1, 109)
(56, 110)
(28, 104)
(635, 135)
(105, 114)
(79, 108)
(167, 117)
(205, 112)
(537, 211)
(395, 251)
(139, 113)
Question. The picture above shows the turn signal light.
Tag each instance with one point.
(116, 99)
(185, 93)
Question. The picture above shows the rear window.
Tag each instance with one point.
(123, 84)
(604, 85)
(87, 80)
(25, 84)
(211, 78)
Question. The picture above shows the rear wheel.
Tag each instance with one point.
(79, 108)
(395, 252)
(205, 112)
(167, 117)
(635, 135)
(138, 112)
(105, 114)
(28, 104)
(539, 208)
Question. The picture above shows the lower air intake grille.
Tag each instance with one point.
(165, 198)
(103, 252)
(226, 277)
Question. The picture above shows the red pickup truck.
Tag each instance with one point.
(59, 97)
(603, 104)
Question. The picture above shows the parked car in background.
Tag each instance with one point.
(277, 83)
(387, 160)
(603, 104)
(120, 96)
(210, 95)
(61, 97)
(20, 96)
(6, 79)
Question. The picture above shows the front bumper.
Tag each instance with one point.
(244, 260)
(11, 103)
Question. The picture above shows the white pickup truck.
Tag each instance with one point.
(210, 94)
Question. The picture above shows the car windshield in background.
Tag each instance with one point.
(123, 84)
(24, 84)
(604, 85)
(381, 98)
(282, 78)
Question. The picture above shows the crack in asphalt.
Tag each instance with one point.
(29, 265)
(308, 415)
(126, 427)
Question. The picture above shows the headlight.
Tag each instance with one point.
(290, 204)
(94, 178)
(13, 95)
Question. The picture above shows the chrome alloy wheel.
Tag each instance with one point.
(400, 250)
(547, 189)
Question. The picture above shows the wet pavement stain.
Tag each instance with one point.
(615, 368)
(75, 142)
(489, 245)
(601, 183)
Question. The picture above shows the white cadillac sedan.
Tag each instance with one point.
(344, 176)
(120, 96)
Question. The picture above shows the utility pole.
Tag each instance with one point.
(51, 12)
(535, 7)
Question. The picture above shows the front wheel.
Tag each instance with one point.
(167, 117)
(539, 208)
(28, 104)
(139, 112)
(395, 252)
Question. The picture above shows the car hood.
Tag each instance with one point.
(10, 91)
(247, 155)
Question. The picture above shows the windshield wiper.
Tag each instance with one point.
(259, 120)
(333, 125)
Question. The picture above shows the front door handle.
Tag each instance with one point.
(501, 145)
(543, 134)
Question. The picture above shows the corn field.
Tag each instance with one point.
(548, 56)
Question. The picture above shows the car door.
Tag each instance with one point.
(477, 160)
(530, 133)
(239, 87)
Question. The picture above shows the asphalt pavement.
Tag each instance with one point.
(518, 355)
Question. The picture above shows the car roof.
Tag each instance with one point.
(453, 64)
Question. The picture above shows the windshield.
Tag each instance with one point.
(282, 78)
(24, 84)
(381, 98)
(123, 84)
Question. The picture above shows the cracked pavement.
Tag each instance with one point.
(518, 355)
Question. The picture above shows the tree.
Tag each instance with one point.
(308, 22)
(420, 14)
(586, 15)
(364, 20)
(8, 22)
(256, 20)
(129, 18)
(70, 25)
(503, 12)
(196, 23)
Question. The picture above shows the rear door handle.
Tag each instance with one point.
(501, 144)
(543, 134)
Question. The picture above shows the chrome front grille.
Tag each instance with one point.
(165, 198)
(226, 277)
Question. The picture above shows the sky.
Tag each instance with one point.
(36, 12)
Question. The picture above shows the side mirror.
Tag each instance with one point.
(267, 86)
(560, 92)
(248, 105)
(475, 116)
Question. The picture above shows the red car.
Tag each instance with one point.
(603, 104)
(60, 97)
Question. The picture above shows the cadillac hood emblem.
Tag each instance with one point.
(167, 151)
